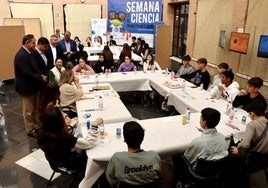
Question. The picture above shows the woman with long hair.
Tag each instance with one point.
(126, 51)
(150, 63)
(109, 57)
(61, 147)
(51, 97)
(69, 93)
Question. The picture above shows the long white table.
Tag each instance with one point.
(115, 50)
(166, 135)
(196, 99)
(128, 81)
(113, 108)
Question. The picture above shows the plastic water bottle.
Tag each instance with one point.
(97, 79)
(172, 75)
(100, 103)
(231, 114)
(183, 85)
(101, 131)
(135, 70)
(188, 114)
(228, 107)
(106, 73)
(144, 68)
(88, 124)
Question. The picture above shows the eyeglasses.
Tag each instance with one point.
(127, 59)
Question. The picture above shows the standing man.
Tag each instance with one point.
(68, 47)
(54, 51)
(44, 63)
(28, 81)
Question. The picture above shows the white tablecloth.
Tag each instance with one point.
(128, 81)
(166, 136)
(116, 54)
(113, 108)
(158, 78)
(195, 99)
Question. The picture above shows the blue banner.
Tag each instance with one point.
(133, 18)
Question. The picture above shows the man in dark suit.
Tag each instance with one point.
(54, 51)
(44, 63)
(28, 81)
(68, 47)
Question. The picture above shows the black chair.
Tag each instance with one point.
(206, 173)
(60, 169)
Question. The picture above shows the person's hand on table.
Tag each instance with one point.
(97, 122)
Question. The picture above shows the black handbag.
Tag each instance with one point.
(255, 161)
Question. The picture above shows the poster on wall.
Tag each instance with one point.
(222, 39)
(99, 30)
(133, 18)
(239, 42)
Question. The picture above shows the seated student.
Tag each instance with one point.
(101, 65)
(122, 164)
(237, 175)
(150, 63)
(61, 147)
(186, 68)
(245, 97)
(69, 65)
(134, 43)
(228, 89)
(126, 51)
(69, 93)
(217, 78)
(51, 97)
(82, 67)
(209, 146)
(127, 65)
(81, 53)
(55, 73)
(145, 51)
(201, 76)
(109, 59)
(253, 131)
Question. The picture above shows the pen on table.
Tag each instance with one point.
(233, 126)
(89, 110)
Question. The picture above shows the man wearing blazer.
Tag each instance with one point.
(44, 63)
(68, 47)
(53, 51)
(28, 80)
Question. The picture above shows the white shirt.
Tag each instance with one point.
(42, 55)
(54, 53)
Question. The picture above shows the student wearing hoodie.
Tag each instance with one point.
(228, 89)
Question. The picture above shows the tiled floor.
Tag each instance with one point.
(15, 144)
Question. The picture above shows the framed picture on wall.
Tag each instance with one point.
(239, 42)
(263, 46)
(222, 40)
